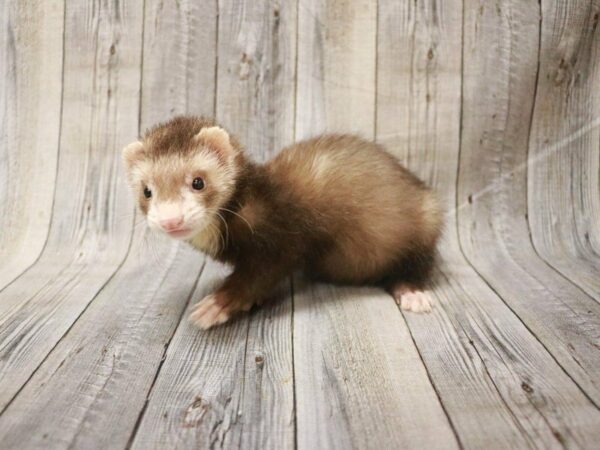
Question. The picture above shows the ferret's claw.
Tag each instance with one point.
(208, 312)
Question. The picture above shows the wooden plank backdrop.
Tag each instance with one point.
(496, 104)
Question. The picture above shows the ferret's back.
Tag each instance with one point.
(347, 169)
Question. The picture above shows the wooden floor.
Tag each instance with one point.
(495, 103)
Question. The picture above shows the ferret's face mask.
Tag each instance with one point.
(182, 191)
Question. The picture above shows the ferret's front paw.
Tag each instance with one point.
(209, 311)
(413, 299)
(214, 309)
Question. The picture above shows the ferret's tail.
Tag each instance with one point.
(432, 219)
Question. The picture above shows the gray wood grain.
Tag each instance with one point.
(564, 161)
(30, 105)
(91, 220)
(227, 387)
(429, 145)
(488, 369)
(360, 382)
(477, 352)
(336, 67)
(179, 66)
(99, 375)
(256, 73)
(493, 225)
(494, 103)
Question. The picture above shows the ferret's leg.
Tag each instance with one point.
(408, 281)
(246, 286)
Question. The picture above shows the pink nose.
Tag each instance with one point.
(172, 223)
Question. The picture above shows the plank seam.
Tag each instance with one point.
(435, 389)
(502, 399)
(243, 389)
(66, 332)
(489, 285)
(295, 118)
(457, 208)
(142, 413)
(140, 106)
(43, 360)
(375, 98)
(108, 280)
(59, 137)
(527, 220)
(216, 87)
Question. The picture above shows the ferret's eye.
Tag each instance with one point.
(147, 192)
(198, 184)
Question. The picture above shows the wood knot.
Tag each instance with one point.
(561, 73)
(259, 360)
(526, 387)
(244, 67)
(194, 413)
(197, 403)
(558, 436)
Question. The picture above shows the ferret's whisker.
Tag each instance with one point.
(240, 216)
(221, 237)
(211, 225)
(151, 247)
(225, 223)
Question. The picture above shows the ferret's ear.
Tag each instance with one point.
(218, 139)
(133, 153)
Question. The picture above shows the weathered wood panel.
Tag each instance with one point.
(149, 292)
(256, 73)
(476, 351)
(99, 375)
(31, 55)
(564, 156)
(89, 236)
(498, 87)
(419, 120)
(336, 67)
(95, 347)
(493, 375)
(418, 88)
(229, 387)
(359, 381)
(180, 58)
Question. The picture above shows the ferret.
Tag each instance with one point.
(336, 206)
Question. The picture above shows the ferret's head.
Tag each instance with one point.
(182, 172)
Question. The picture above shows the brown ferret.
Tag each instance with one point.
(336, 206)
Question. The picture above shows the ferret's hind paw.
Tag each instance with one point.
(413, 300)
(209, 312)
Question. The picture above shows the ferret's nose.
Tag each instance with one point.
(172, 223)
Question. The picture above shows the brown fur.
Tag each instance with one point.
(337, 206)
